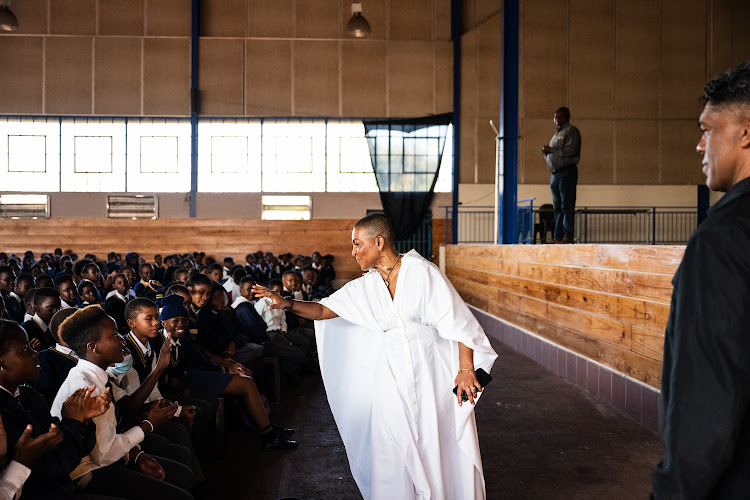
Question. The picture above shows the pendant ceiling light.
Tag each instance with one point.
(357, 25)
(8, 20)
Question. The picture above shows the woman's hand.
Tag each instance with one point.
(277, 301)
(164, 353)
(467, 381)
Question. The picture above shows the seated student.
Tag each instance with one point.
(24, 283)
(216, 272)
(46, 304)
(88, 293)
(181, 275)
(273, 345)
(147, 286)
(28, 303)
(93, 336)
(221, 336)
(7, 282)
(68, 293)
(159, 268)
(191, 372)
(287, 324)
(91, 272)
(228, 264)
(289, 279)
(25, 414)
(56, 361)
(116, 302)
(44, 281)
(138, 376)
(129, 272)
(232, 283)
(113, 262)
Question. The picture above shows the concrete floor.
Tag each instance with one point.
(541, 438)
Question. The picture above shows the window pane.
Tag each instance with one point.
(229, 156)
(92, 157)
(29, 154)
(158, 156)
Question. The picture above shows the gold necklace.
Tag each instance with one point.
(387, 279)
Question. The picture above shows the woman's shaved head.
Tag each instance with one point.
(376, 225)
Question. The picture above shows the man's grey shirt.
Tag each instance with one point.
(566, 148)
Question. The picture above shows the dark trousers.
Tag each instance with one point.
(128, 482)
(563, 185)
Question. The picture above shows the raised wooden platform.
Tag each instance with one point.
(217, 237)
(608, 303)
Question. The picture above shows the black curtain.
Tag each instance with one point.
(406, 155)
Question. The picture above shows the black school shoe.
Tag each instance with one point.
(276, 440)
(281, 430)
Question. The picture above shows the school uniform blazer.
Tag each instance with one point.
(34, 331)
(49, 477)
(55, 367)
(115, 307)
(12, 307)
(141, 363)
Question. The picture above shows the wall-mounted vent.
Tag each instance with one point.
(132, 206)
(286, 207)
(24, 206)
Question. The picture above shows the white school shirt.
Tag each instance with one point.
(275, 318)
(17, 297)
(11, 482)
(27, 317)
(110, 445)
(131, 295)
(65, 305)
(39, 321)
(66, 350)
(404, 433)
(232, 288)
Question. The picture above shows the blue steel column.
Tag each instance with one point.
(194, 109)
(456, 37)
(508, 181)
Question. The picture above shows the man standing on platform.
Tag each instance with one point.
(563, 155)
(705, 395)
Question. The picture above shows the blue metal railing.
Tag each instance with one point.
(636, 225)
(627, 225)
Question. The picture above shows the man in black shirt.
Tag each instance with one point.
(705, 396)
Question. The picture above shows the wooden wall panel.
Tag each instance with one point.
(740, 33)
(544, 69)
(442, 27)
(597, 140)
(683, 56)
(169, 18)
(637, 152)
(316, 78)
(117, 75)
(221, 77)
(32, 15)
(68, 75)
(489, 53)
(21, 77)
(410, 74)
(268, 78)
(410, 20)
(592, 58)
(270, 18)
(535, 133)
(363, 78)
(637, 55)
(166, 76)
(681, 163)
(318, 18)
(216, 237)
(223, 18)
(73, 17)
(121, 17)
(609, 303)
(443, 77)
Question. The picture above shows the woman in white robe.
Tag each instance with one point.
(402, 339)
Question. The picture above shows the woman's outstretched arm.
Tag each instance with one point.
(308, 310)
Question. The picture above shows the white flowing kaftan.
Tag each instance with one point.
(389, 367)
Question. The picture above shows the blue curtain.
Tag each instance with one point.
(406, 155)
